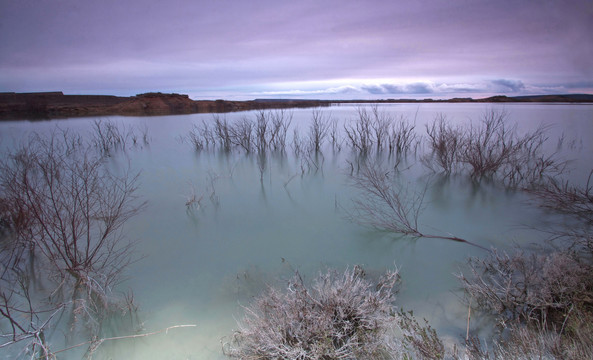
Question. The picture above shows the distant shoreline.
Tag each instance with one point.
(54, 105)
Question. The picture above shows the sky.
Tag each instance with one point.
(310, 49)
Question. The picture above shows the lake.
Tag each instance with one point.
(256, 220)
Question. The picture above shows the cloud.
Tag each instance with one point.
(580, 85)
(82, 46)
(413, 88)
(419, 88)
(423, 88)
(509, 85)
(380, 89)
(347, 89)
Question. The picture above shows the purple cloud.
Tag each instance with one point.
(509, 85)
(238, 48)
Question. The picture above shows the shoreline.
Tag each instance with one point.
(55, 105)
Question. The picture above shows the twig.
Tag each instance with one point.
(289, 180)
(166, 330)
(469, 314)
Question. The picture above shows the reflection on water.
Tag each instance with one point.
(222, 226)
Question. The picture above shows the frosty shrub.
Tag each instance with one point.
(340, 316)
(542, 301)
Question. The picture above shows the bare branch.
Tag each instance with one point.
(386, 205)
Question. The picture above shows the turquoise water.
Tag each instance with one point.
(201, 265)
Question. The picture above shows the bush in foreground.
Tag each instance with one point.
(341, 316)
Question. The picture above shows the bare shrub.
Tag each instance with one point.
(422, 341)
(488, 147)
(203, 136)
(224, 134)
(495, 149)
(340, 316)
(262, 161)
(76, 208)
(359, 135)
(194, 200)
(401, 136)
(380, 125)
(197, 139)
(575, 230)
(334, 136)
(380, 130)
(107, 136)
(74, 211)
(386, 205)
(445, 143)
(299, 145)
(528, 166)
(27, 322)
(280, 123)
(561, 196)
(261, 131)
(318, 130)
(221, 129)
(528, 342)
(533, 289)
(242, 134)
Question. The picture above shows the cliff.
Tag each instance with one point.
(50, 105)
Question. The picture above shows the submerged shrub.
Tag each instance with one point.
(340, 316)
(534, 288)
(65, 212)
(541, 301)
(445, 141)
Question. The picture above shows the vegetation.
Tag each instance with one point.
(268, 131)
(385, 204)
(379, 130)
(63, 214)
(492, 151)
(541, 300)
(341, 316)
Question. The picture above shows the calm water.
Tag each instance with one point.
(253, 228)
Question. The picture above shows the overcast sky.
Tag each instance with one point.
(342, 49)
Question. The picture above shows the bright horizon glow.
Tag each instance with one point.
(308, 49)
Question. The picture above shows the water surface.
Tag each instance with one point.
(252, 228)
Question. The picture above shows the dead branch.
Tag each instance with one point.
(386, 205)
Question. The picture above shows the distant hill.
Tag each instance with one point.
(50, 105)
(568, 98)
